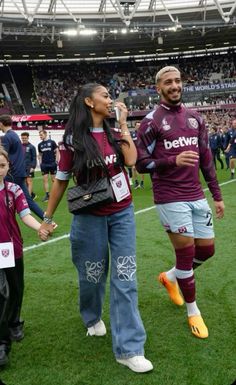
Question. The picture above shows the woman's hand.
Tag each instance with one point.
(45, 231)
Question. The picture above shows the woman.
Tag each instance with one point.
(91, 149)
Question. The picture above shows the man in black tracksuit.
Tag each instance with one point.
(215, 145)
(30, 161)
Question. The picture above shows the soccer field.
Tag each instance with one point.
(56, 351)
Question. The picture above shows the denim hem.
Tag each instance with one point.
(94, 323)
(129, 355)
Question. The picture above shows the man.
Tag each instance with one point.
(134, 171)
(225, 138)
(48, 157)
(231, 149)
(215, 146)
(30, 161)
(172, 147)
(12, 144)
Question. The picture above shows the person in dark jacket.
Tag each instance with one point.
(215, 146)
(48, 157)
(17, 174)
(225, 138)
(231, 149)
(30, 161)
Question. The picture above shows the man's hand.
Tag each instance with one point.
(219, 209)
(187, 158)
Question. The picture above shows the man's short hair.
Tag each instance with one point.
(25, 134)
(164, 70)
(6, 120)
(43, 131)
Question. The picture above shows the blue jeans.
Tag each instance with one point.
(32, 205)
(91, 238)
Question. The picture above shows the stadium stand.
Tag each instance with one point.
(48, 89)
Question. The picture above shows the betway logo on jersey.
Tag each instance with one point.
(181, 142)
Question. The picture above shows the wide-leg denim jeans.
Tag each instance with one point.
(91, 239)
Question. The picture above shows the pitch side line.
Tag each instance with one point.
(45, 243)
(136, 213)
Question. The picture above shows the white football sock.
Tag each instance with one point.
(192, 309)
(171, 274)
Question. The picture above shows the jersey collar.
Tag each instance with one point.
(96, 129)
(169, 107)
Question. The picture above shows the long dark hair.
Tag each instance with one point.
(77, 133)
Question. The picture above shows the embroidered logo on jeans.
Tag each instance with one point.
(126, 268)
(94, 270)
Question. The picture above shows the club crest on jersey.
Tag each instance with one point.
(119, 183)
(193, 122)
(165, 125)
(5, 253)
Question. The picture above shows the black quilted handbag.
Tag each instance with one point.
(82, 199)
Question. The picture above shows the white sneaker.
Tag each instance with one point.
(138, 364)
(99, 329)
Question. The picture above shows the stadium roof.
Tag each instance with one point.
(79, 29)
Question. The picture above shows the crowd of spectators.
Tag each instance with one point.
(215, 69)
(55, 85)
(213, 83)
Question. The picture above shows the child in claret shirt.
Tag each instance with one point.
(12, 201)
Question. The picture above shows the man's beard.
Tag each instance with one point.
(171, 101)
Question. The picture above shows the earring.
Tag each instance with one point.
(92, 106)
